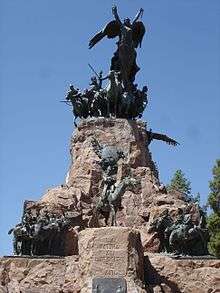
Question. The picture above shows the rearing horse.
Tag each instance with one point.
(114, 90)
(112, 202)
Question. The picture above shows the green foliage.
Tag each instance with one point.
(214, 244)
(214, 223)
(214, 185)
(214, 203)
(180, 183)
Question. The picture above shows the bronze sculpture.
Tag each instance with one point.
(130, 37)
(41, 234)
(153, 135)
(120, 98)
(112, 192)
(111, 201)
(180, 236)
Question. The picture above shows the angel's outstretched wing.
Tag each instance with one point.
(162, 137)
(139, 30)
(111, 30)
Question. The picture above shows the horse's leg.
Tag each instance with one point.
(19, 247)
(31, 247)
(106, 219)
(116, 101)
(108, 108)
(166, 243)
(75, 121)
(50, 246)
(171, 242)
(23, 247)
(52, 243)
(15, 248)
(28, 246)
(35, 247)
(113, 213)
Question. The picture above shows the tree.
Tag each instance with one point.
(214, 203)
(180, 183)
(214, 185)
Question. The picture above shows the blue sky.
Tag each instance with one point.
(44, 47)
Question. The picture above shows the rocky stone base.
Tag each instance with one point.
(165, 274)
(114, 252)
(111, 253)
(39, 275)
(162, 274)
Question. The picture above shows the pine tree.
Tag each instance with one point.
(180, 183)
(214, 203)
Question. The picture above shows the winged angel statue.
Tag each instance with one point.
(121, 98)
(130, 35)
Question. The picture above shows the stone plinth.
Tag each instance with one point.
(111, 252)
(63, 275)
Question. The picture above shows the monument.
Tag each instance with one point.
(112, 222)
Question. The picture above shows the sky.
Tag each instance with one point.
(44, 48)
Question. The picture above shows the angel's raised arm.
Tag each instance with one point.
(139, 14)
(115, 13)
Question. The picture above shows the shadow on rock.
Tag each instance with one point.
(154, 279)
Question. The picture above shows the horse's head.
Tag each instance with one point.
(111, 75)
(20, 231)
(193, 233)
(114, 75)
(153, 226)
(63, 224)
(36, 228)
(162, 222)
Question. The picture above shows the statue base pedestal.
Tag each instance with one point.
(111, 253)
(162, 273)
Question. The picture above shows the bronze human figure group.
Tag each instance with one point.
(110, 101)
(120, 97)
(40, 234)
(181, 236)
(110, 199)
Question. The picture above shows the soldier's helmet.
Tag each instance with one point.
(93, 79)
(145, 89)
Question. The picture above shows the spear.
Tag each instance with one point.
(66, 102)
(93, 70)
